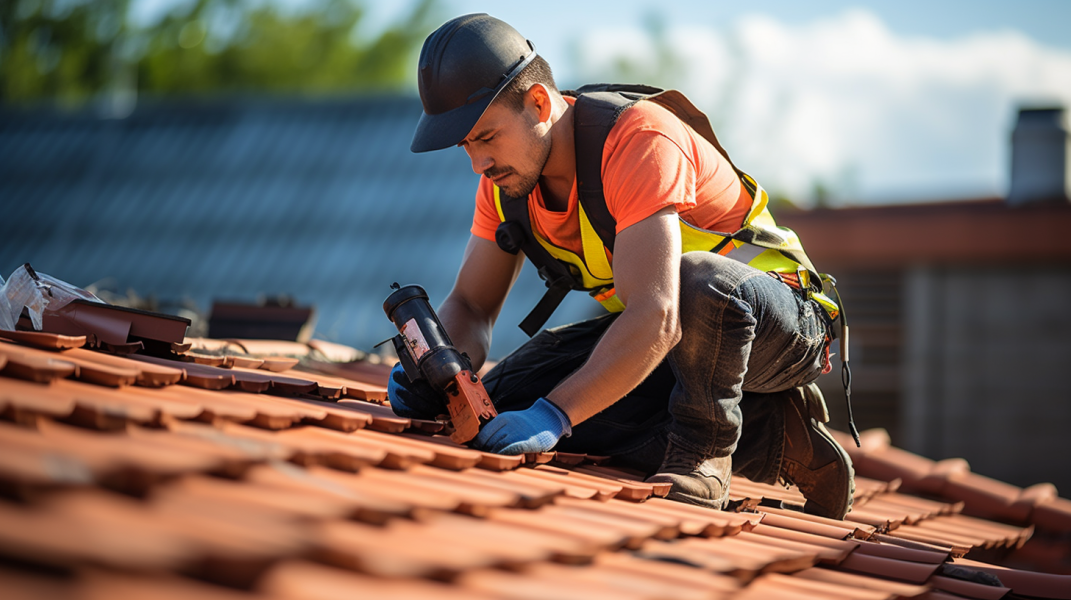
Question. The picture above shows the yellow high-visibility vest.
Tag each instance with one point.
(768, 251)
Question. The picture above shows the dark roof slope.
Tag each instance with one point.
(231, 199)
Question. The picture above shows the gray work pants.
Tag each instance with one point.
(745, 336)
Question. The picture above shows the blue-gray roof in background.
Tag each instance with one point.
(231, 199)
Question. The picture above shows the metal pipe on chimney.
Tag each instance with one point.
(1041, 157)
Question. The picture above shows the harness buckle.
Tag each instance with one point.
(560, 275)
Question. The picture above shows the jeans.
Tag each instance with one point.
(745, 336)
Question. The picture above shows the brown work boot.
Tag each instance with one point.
(813, 460)
(695, 479)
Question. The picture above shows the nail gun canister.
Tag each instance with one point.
(426, 352)
(428, 345)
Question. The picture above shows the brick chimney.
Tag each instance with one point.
(1041, 156)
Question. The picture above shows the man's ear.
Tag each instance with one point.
(538, 98)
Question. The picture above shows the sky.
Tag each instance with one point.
(876, 102)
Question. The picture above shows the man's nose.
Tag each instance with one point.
(480, 162)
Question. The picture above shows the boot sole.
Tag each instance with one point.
(817, 410)
(813, 508)
(698, 501)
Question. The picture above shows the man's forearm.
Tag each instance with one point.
(469, 330)
(627, 353)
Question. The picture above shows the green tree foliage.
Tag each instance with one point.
(71, 51)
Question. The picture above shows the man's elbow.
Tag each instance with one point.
(667, 315)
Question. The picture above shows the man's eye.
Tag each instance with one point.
(487, 139)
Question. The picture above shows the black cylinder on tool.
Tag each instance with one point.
(423, 336)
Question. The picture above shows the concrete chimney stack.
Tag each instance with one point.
(1041, 156)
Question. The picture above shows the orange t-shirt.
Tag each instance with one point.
(651, 160)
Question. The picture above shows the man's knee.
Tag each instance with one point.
(708, 278)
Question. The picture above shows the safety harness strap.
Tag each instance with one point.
(513, 235)
(594, 115)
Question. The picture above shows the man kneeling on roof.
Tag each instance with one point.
(705, 362)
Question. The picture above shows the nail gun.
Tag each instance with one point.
(426, 352)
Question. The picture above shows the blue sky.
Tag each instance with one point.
(879, 101)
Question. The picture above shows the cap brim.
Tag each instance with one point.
(435, 132)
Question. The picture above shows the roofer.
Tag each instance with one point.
(697, 369)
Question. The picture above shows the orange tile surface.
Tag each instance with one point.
(133, 476)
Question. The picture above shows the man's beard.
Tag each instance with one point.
(525, 183)
(523, 186)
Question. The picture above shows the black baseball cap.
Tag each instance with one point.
(463, 66)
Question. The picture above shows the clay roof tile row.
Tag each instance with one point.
(128, 475)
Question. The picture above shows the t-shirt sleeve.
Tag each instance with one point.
(646, 167)
(485, 218)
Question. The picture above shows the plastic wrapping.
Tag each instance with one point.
(37, 293)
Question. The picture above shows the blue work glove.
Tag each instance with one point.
(413, 399)
(535, 429)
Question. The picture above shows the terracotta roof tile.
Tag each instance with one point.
(887, 550)
(245, 362)
(93, 527)
(98, 584)
(903, 590)
(339, 450)
(1025, 583)
(626, 581)
(1053, 515)
(635, 531)
(912, 544)
(227, 406)
(528, 495)
(310, 581)
(383, 419)
(473, 500)
(488, 460)
(747, 558)
(210, 360)
(272, 348)
(34, 398)
(717, 523)
(26, 365)
(816, 525)
(148, 375)
(658, 550)
(524, 586)
(576, 487)
(967, 589)
(775, 585)
(45, 340)
(115, 459)
(880, 520)
(591, 537)
(889, 568)
(391, 553)
(27, 584)
(632, 563)
(415, 500)
(822, 552)
(239, 487)
(828, 549)
(952, 481)
(635, 491)
(958, 547)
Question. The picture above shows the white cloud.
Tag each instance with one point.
(847, 101)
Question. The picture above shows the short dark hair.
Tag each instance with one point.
(537, 71)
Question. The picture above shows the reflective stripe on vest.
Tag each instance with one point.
(596, 272)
